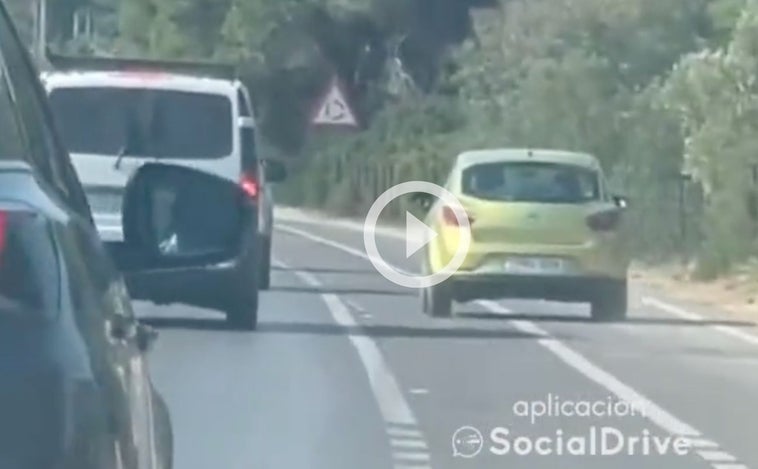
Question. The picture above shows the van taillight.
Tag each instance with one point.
(604, 221)
(249, 184)
(449, 218)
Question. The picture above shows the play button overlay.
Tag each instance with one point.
(418, 235)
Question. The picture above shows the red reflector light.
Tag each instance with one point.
(604, 221)
(250, 186)
(449, 218)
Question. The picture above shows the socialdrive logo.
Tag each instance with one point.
(467, 442)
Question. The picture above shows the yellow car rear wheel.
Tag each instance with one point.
(437, 300)
(610, 301)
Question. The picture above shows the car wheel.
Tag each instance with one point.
(242, 312)
(610, 302)
(439, 300)
(244, 315)
(264, 272)
(424, 297)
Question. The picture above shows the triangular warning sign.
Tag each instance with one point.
(334, 109)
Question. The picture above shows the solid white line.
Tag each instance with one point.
(578, 362)
(398, 233)
(348, 225)
(404, 432)
(408, 444)
(690, 316)
(333, 244)
(391, 402)
(408, 456)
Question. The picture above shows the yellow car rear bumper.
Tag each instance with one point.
(598, 258)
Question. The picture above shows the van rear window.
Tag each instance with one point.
(144, 122)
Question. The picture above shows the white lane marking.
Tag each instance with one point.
(675, 310)
(575, 360)
(110, 228)
(107, 216)
(655, 413)
(295, 215)
(716, 456)
(419, 391)
(690, 316)
(391, 401)
(730, 466)
(332, 244)
(404, 432)
(702, 443)
(408, 444)
(355, 306)
(395, 410)
(410, 456)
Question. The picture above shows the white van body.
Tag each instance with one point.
(199, 121)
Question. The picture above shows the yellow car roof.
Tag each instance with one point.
(494, 155)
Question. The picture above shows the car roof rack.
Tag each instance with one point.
(88, 63)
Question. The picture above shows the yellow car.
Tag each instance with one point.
(542, 225)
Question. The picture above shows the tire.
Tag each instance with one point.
(242, 313)
(438, 301)
(264, 267)
(424, 297)
(610, 302)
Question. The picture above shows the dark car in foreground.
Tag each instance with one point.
(75, 390)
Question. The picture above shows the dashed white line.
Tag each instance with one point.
(418, 391)
(402, 427)
(408, 443)
(388, 395)
(410, 456)
(573, 359)
(404, 432)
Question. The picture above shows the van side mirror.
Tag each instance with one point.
(621, 201)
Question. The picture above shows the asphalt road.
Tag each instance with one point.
(346, 373)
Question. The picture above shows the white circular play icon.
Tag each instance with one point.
(417, 234)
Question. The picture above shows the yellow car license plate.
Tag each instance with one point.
(535, 266)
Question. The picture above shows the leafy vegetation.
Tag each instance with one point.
(663, 92)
